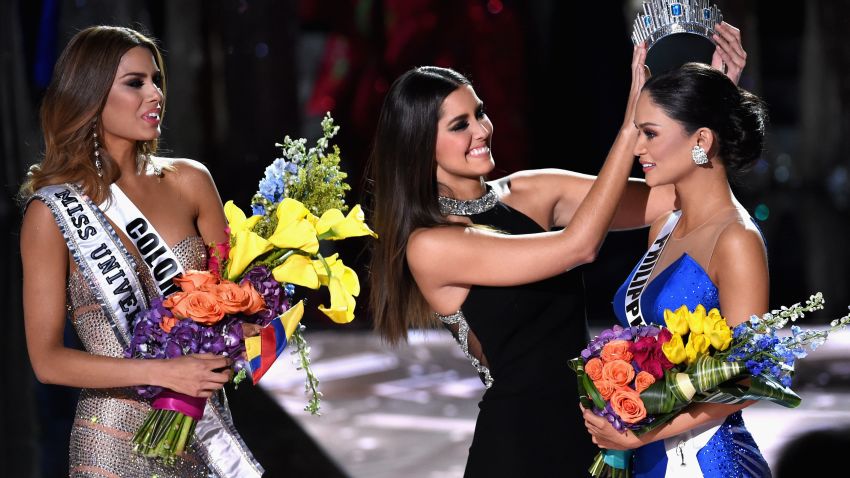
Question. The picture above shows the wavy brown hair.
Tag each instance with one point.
(82, 79)
(403, 175)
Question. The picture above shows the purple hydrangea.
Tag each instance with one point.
(276, 297)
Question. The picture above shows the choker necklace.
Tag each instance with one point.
(457, 207)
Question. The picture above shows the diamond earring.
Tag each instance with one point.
(699, 156)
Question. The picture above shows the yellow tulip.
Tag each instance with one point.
(674, 349)
(297, 269)
(697, 346)
(720, 335)
(696, 319)
(342, 306)
(297, 234)
(247, 246)
(677, 321)
(345, 274)
(236, 219)
(333, 225)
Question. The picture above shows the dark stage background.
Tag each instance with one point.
(554, 75)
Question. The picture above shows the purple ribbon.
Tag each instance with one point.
(190, 406)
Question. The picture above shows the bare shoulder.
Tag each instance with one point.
(541, 180)
(186, 170)
(191, 178)
(740, 239)
(39, 229)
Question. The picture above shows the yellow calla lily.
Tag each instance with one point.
(247, 246)
(334, 226)
(697, 346)
(236, 219)
(290, 210)
(297, 234)
(346, 275)
(674, 349)
(297, 269)
(696, 319)
(677, 321)
(342, 306)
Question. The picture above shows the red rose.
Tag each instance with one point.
(648, 354)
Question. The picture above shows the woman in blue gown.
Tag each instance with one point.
(697, 129)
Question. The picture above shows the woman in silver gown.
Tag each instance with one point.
(101, 120)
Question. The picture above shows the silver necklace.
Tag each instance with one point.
(458, 207)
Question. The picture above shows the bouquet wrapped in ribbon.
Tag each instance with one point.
(640, 377)
(251, 280)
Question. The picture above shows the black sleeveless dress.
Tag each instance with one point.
(529, 423)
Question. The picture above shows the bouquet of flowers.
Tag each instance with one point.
(251, 280)
(640, 377)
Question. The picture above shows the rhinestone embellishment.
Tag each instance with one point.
(459, 207)
(463, 339)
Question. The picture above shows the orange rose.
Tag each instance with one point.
(619, 372)
(616, 350)
(194, 280)
(200, 306)
(593, 368)
(605, 388)
(257, 302)
(628, 405)
(173, 299)
(231, 297)
(643, 380)
(167, 323)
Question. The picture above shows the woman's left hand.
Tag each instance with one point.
(606, 436)
(729, 56)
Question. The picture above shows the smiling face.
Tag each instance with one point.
(664, 147)
(464, 133)
(132, 110)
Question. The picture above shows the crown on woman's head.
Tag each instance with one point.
(661, 22)
(666, 17)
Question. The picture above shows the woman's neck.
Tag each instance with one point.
(701, 197)
(462, 190)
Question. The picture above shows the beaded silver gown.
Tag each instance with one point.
(106, 419)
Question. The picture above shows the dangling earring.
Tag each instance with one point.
(97, 163)
(699, 156)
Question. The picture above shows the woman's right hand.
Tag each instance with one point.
(197, 375)
(638, 79)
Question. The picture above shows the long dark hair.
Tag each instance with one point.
(697, 96)
(82, 79)
(404, 193)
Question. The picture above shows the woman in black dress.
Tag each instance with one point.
(481, 258)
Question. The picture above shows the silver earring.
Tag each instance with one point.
(97, 163)
(699, 156)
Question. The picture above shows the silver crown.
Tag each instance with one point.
(661, 18)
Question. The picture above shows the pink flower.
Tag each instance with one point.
(217, 252)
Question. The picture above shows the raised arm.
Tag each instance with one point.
(451, 256)
(45, 265)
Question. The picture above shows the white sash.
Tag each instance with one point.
(639, 280)
(155, 252)
(110, 271)
(100, 256)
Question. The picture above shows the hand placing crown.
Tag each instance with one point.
(680, 31)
